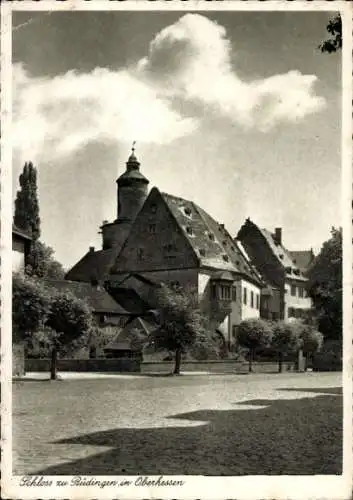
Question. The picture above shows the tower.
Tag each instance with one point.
(132, 190)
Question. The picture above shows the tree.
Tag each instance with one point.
(30, 307)
(71, 320)
(311, 341)
(285, 339)
(180, 322)
(254, 334)
(26, 204)
(325, 286)
(334, 42)
(42, 264)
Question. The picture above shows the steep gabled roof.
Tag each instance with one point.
(130, 300)
(210, 241)
(97, 298)
(281, 254)
(93, 265)
(292, 270)
(302, 258)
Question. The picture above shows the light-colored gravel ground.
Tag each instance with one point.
(194, 424)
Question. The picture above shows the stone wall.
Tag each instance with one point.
(228, 366)
(85, 365)
(125, 365)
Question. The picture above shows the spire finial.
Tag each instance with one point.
(133, 147)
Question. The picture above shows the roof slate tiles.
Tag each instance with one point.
(97, 298)
(210, 240)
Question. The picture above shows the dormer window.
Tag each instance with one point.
(189, 230)
(225, 258)
(281, 256)
(187, 211)
(202, 252)
(288, 270)
(211, 236)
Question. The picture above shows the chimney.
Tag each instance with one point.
(91, 249)
(104, 222)
(278, 235)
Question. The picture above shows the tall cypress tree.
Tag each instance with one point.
(26, 204)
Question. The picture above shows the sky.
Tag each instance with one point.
(238, 111)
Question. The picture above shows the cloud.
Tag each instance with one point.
(192, 60)
(186, 73)
(54, 117)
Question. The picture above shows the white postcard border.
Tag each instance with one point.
(247, 487)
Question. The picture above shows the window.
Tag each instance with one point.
(251, 299)
(225, 258)
(154, 208)
(187, 211)
(102, 319)
(189, 230)
(202, 252)
(245, 298)
(152, 228)
(213, 291)
(225, 292)
(301, 292)
(293, 290)
(291, 312)
(234, 331)
(234, 293)
(257, 301)
(140, 253)
(211, 236)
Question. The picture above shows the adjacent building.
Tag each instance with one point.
(21, 243)
(285, 296)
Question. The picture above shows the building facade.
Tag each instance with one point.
(285, 296)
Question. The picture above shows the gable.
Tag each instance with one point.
(156, 240)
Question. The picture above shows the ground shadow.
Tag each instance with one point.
(318, 390)
(300, 436)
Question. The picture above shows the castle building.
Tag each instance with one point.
(285, 296)
(158, 238)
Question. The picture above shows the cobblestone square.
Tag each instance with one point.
(192, 424)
